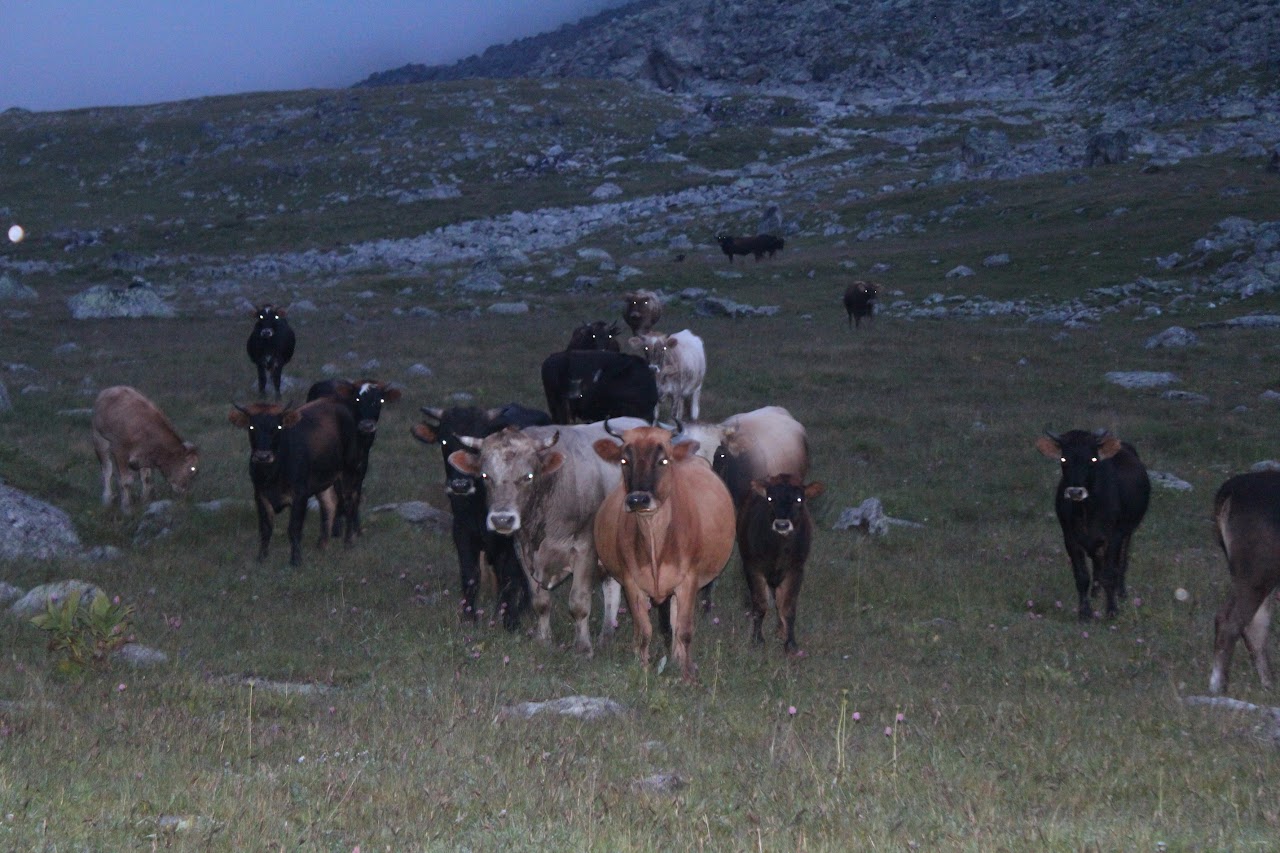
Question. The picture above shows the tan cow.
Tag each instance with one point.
(665, 532)
(130, 434)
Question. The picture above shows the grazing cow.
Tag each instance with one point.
(1246, 515)
(758, 245)
(860, 301)
(270, 346)
(131, 434)
(597, 335)
(544, 487)
(1100, 500)
(775, 531)
(679, 363)
(293, 455)
(365, 400)
(468, 501)
(664, 532)
(585, 385)
(642, 311)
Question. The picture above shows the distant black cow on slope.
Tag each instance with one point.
(1100, 500)
(270, 346)
(759, 245)
(588, 386)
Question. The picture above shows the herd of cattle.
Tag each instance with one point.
(595, 490)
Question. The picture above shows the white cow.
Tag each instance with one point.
(679, 363)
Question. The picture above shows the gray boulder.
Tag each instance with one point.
(718, 306)
(1174, 337)
(1141, 378)
(11, 288)
(33, 529)
(578, 707)
(103, 301)
(1107, 148)
(36, 601)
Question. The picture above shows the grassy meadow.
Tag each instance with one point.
(946, 698)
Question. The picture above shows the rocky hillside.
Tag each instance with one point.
(1206, 57)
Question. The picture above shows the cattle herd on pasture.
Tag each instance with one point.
(596, 490)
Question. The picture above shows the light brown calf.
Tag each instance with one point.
(131, 434)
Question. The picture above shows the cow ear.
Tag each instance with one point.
(290, 418)
(238, 419)
(1049, 447)
(608, 450)
(1109, 446)
(552, 461)
(280, 313)
(345, 391)
(189, 447)
(424, 433)
(757, 486)
(684, 449)
(636, 342)
(465, 461)
(390, 394)
(814, 489)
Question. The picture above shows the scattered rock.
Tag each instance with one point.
(1166, 480)
(718, 306)
(156, 523)
(1172, 338)
(420, 512)
(1141, 378)
(33, 529)
(867, 518)
(960, 272)
(1000, 260)
(1185, 397)
(104, 301)
(509, 308)
(660, 783)
(36, 601)
(578, 707)
(12, 289)
(9, 594)
(139, 656)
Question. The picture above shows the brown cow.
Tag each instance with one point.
(664, 533)
(642, 311)
(130, 433)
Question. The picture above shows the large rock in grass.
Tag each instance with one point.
(32, 529)
(37, 600)
(103, 301)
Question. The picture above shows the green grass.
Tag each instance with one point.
(1018, 731)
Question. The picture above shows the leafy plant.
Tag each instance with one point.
(86, 635)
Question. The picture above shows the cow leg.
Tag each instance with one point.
(707, 592)
(682, 608)
(1111, 573)
(513, 590)
(1239, 610)
(786, 598)
(611, 596)
(468, 547)
(328, 500)
(1122, 566)
(1083, 579)
(266, 517)
(124, 476)
(103, 449)
(580, 592)
(1255, 638)
(695, 403)
(642, 628)
(262, 379)
(276, 369)
(759, 592)
(297, 517)
(541, 599)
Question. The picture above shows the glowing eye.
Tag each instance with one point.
(799, 500)
(528, 477)
(1094, 459)
(665, 462)
(279, 426)
(1063, 460)
(622, 462)
(484, 476)
(769, 498)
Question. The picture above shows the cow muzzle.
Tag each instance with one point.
(504, 523)
(262, 457)
(461, 486)
(782, 527)
(640, 502)
(1076, 493)
(368, 427)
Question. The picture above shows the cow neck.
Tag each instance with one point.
(645, 527)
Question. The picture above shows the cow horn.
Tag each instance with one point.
(470, 441)
(1051, 434)
(550, 442)
(679, 428)
(239, 408)
(434, 414)
(610, 431)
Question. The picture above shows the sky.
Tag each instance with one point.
(66, 54)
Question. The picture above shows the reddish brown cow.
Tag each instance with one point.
(130, 433)
(664, 533)
(642, 310)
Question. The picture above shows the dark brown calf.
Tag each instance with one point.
(759, 245)
(642, 311)
(1246, 516)
(775, 531)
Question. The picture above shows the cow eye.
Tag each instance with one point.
(483, 476)
(665, 461)
(799, 500)
(1094, 459)
(622, 461)
(1063, 460)
(528, 476)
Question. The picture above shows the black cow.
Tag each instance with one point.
(597, 335)
(860, 301)
(469, 504)
(365, 400)
(775, 531)
(588, 386)
(759, 245)
(294, 454)
(270, 346)
(1246, 515)
(1100, 500)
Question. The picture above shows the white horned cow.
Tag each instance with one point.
(679, 363)
(544, 485)
(753, 445)
(130, 434)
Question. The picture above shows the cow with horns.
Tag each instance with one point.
(664, 532)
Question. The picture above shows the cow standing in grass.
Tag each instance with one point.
(664, 532)
(775, 531)
(679, 365)
(293, 455)
(270, 346)
(860, 302)
(130, 434)
(759, 245)
(365, 400)
(596, 335)
(641, 311)
(1246, 515)
(1100, 500)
